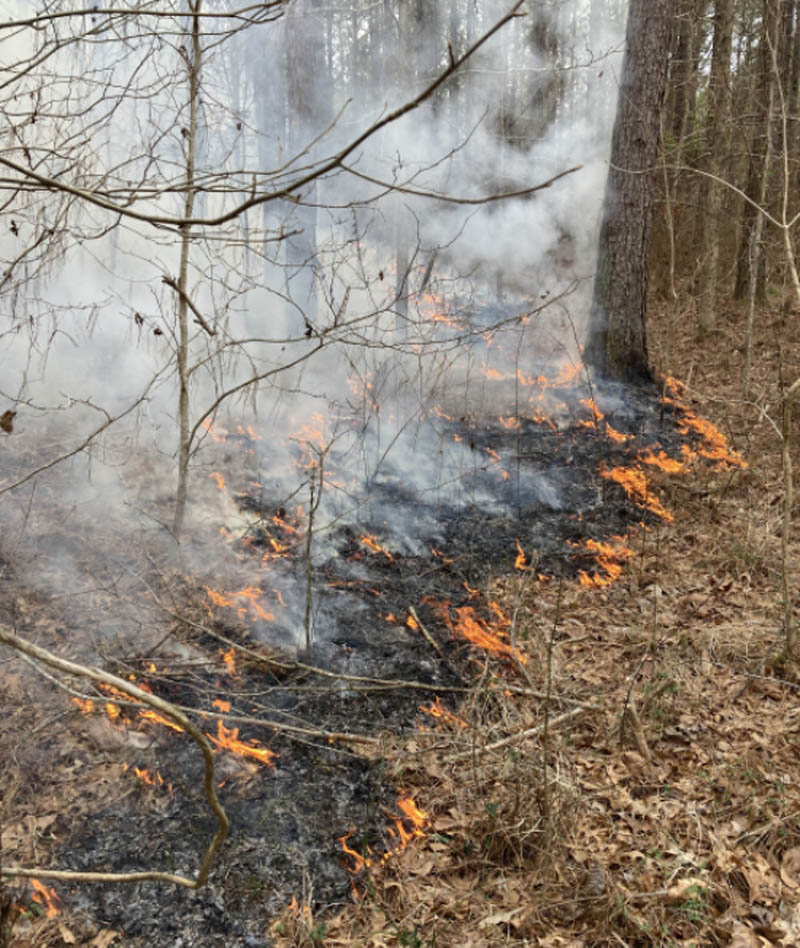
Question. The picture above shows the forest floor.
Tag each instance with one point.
(669, 812)
(654, 800)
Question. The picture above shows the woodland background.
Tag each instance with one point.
(188, 224)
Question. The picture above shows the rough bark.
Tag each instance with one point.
(616, 346)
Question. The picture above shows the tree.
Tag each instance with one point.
(616, 347)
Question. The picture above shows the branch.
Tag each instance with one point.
(198, 318)
(337, 161)
(488, 199)
(7, 637)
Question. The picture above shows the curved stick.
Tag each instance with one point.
(7, 637)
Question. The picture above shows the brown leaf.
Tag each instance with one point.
(744, 938)
(790, 867)
(7, 421)
(104, 938)
(66, 935)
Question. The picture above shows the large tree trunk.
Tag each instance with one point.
(616, 347)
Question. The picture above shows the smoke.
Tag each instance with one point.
(359, 308)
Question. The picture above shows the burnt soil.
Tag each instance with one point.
(287, 820)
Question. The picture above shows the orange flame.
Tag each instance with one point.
(215, 432)
(437, 710)
(218, 479)
(249, 602)
(521, 562)
(633, 481)
(372, 544)
(229, 740)
(485, 636)
(45, 897)
(229, 658)
(610, 560)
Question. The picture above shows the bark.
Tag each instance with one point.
(616, 346)
(719, 99)
(758, 148)
(182, 355)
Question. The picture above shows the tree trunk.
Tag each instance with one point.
(616, 347)
(758, 148)
(711, 190)
(182, 354)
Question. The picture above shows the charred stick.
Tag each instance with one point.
(425, 633)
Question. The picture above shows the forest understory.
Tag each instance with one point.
(655, 803)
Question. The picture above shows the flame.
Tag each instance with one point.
(221, 705)
(487, 637)
(45, 897)
(521, 562)
(510, 423)
(664, 462)
(157, 718)
(437, 710)
(215, 432)
(411, 814)
(412, 623)
(218, 479)
(634, 482)
(610, 559)
(715, 444)
(151, 779)
(229, 658)
(249, 602)
(372, 544)
(229, 740)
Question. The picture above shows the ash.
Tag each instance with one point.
(532, 486)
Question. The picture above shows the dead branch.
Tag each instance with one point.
(198, 316)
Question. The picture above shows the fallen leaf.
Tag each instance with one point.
(743, 938)
(790, 867)
(500, 918)
(104, 938)
(66, 935)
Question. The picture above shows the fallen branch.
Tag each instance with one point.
(7, 637)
